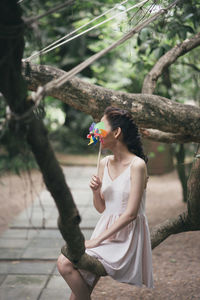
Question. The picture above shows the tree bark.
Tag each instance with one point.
(13, 87)
(164, 137)
(149, 111)
(166, 60)
(69, 218)
(180, 157)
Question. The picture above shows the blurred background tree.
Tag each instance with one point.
(124, 68)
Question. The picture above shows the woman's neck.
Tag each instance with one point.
(121, 153)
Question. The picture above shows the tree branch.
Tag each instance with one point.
(188, 220)
(165, 137)
(191, 65)
(149, 111)
(69, 218)
(166, 60)
(14, 89)
(50, 11)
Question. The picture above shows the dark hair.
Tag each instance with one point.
(130, 135)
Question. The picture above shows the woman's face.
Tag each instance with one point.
(110, 139)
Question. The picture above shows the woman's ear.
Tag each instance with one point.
(117, 132)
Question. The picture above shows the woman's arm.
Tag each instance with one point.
(121, 222)
(138, 179)
(98, 202)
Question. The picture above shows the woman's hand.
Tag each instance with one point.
(92, 243)
(95, 183)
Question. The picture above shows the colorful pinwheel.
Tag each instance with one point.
(97, 132)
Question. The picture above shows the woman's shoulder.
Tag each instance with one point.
(139, 167)
(139, 164)
(138, 161)
(135, 158)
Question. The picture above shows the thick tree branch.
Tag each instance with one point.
(188, 220)
(149, 111)
(164, 137)
(166, 60)
(69, 218)
(150, 81)
(14, 89)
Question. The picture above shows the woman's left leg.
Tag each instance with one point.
(73, 278)
(73, 297)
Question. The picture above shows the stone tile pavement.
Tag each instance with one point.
(30, 246)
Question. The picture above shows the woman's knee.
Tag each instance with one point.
(64, 265)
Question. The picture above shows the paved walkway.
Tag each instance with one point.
(30, 247)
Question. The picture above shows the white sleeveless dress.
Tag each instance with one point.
(127, 254)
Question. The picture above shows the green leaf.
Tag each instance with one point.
(182, 33)
(158, 52)
(144, 34)
(161, 148)
(151, 154)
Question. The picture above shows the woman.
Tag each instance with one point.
(121, 238)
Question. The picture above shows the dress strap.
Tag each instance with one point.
(107, 158)
(106, 165)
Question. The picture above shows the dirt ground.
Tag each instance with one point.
(176, 261)
(17, 193)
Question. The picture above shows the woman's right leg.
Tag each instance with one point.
(91, 287)
(73, 278)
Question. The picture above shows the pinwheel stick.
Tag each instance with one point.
(98, 161)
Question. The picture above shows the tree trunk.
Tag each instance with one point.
(180, 156)
(11, 51)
